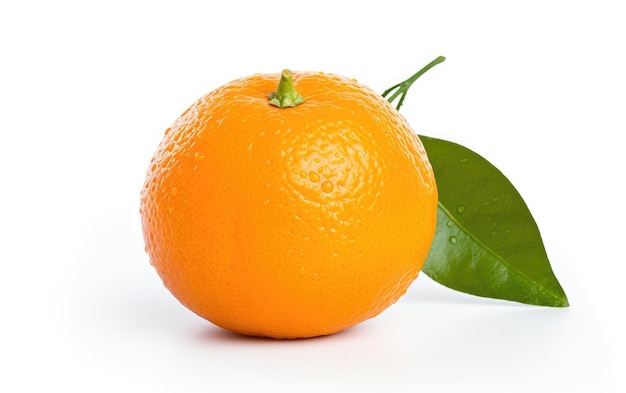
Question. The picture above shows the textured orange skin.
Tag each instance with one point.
(294, 222)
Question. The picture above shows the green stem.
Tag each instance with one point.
(285, 95)
(403, 87)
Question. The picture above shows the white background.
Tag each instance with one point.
(87, 89)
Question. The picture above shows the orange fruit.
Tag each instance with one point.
(289, 222)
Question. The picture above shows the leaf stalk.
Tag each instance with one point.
(403, 87)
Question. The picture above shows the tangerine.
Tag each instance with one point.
(289, 216)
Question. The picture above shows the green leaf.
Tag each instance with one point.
(487, 242)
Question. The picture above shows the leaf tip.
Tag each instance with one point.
(564, 303)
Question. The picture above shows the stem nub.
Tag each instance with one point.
(285, 95)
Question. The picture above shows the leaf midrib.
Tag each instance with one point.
(497, 256)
